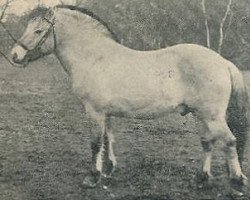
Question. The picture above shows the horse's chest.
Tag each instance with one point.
(141, 110)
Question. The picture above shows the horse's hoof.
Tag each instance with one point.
(205, 185)
(204, 177)
(244, 180)
(239, 181)
(204, 181)
(108, 173)
(108, 169)
(238, 186)
(91, 181)
(235, 193)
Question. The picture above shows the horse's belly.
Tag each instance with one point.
(142, 111)
(144, 104)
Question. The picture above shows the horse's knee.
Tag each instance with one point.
(230, 143)
(95, 146)
(207, 144)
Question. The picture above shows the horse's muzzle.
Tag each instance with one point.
(15, 59)
(16, 62)
(18, 56)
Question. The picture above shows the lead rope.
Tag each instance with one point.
(8, 32)
(6, 58)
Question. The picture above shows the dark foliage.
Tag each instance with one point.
(154, 24)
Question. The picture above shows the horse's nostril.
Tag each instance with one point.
(14, 57)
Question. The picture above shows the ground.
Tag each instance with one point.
(45, 151)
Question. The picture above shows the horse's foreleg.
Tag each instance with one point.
(97, 147)
(109, 160)
(93, 178)
(103, 159)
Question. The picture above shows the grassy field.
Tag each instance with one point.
(45, 151)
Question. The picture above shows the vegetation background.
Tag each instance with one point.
(154, 24)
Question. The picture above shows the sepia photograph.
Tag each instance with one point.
(124, 99)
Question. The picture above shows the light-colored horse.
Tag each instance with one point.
(113, 80)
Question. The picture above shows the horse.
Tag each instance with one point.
(112, 80)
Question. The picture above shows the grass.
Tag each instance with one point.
(45, 151)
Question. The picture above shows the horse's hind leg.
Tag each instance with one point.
(207, 145)
(219, 129)
(207, 141)
(235, 171)
(238, 179)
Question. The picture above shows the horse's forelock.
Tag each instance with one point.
(40, 12)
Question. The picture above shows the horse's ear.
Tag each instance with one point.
(51, 13)
(54, 9)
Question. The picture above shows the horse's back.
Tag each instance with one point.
(206, 77)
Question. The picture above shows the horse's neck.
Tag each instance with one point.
(80, 40)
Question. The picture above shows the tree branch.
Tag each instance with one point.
(8, 32)
(229, 25)
(243, 40)
(206, 22)
(5, 6)
(222, 25)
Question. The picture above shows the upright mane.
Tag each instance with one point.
(92, 15)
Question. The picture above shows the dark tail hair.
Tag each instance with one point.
(238, 111)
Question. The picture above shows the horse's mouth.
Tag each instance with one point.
(20, 64)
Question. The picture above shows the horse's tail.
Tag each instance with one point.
(237, 112)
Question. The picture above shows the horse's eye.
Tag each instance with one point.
(38, 31)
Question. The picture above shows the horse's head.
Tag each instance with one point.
(38, 39)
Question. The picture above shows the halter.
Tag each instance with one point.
(45, 36)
